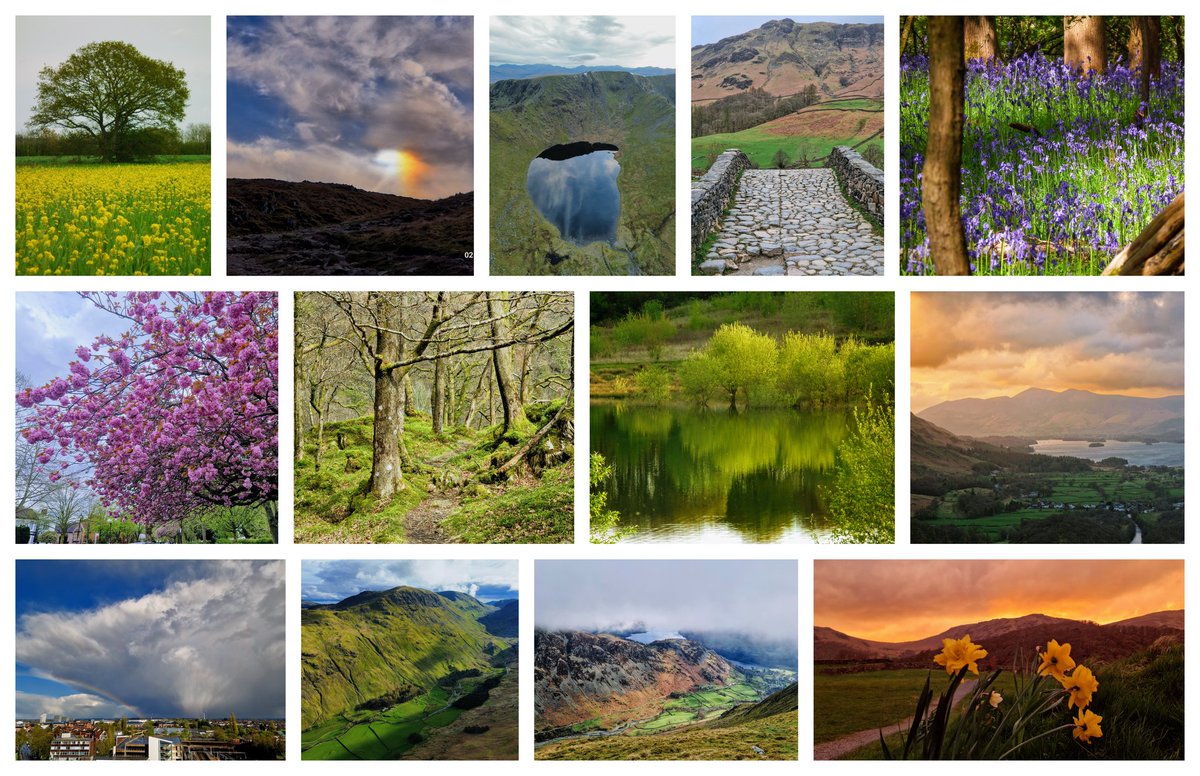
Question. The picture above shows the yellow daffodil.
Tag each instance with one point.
(1087, 726)
(995, 699)
(1081, 684)
(1056, 660)
(957, 653)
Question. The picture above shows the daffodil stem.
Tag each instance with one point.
(1039, 735)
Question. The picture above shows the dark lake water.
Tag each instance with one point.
(578, 193)
(690, 475)
(1137, 453)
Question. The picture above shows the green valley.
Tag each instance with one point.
(409, 672)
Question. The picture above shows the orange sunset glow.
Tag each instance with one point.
(903, 600)
(984, 345)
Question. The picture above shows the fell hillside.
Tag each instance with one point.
(632, 112)
(503, 621)
(766, 730)
(379, 643)
(783, 57)
(1069, 414)
(301, 228)
(512, 71)
(582, 676)
(1009, 639)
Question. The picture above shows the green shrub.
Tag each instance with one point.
(653, 385)
(862, 497)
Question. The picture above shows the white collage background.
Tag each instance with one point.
(526, 554)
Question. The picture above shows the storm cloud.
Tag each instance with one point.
(211, 641)
(336, 99)
(757, 598)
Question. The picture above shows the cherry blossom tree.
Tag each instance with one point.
(177, 414)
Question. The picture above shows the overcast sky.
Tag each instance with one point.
(328, 581)
(754, 597)
(571, 41)
(184, 41)
(710, 29)
(998, 344)
(903, 600)
(381, 103)
(160, 638)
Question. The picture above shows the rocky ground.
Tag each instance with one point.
(793, 222)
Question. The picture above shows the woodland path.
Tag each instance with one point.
(795, 222)
(839, 747)
(423, 523)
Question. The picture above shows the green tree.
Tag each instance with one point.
(653, 384)
(741, 359)
(811, 370)
(606, 525)
(233, 727)
(115, 94)
(862, 496)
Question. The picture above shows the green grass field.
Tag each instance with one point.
(809, 134)
(378, 736)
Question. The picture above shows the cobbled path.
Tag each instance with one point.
(793, 222)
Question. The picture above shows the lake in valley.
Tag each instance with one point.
(1137, 453)
(574, 187)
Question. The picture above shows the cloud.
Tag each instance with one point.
(629, 41)
(754, 598)
(211, 641)
(350, 87)
(335, 580)
(911, 599)
(998, 344)
(76, 706)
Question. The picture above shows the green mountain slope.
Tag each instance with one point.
(635, 113)
(379, 644)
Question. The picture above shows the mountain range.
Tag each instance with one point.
(381, 644)
(783, 57)
(1009, 639)
(507, 71)
(1069, 414)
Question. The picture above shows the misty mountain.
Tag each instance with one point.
(1069, 414)
(742, 648)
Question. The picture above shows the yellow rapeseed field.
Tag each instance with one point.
(118, 219)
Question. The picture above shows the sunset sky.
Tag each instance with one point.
(998, 344)
(905, 600)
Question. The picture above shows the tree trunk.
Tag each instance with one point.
(1158, 250)
(437, 397)
(510, 400)
(979, 38)
(410, 401)
(387, 477)
(941, 176)
(1145, 43)
(908, 24)
(1083, 42)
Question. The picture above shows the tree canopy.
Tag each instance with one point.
(177, 414)
(118, 96)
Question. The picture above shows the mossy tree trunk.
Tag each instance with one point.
(502, 362)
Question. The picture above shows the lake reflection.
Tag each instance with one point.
(578, 195)
(690, 475)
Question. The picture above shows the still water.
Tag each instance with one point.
(574, 187)
(693, 475)
(1137, 453)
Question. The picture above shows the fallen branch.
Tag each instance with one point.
(1158, 250)
(529, 445)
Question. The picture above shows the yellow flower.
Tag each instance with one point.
(1081, 684)
(1056, 660)
(957, 653)
(994, 699)
(1087, 726)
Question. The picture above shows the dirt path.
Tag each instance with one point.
(423, 523)
(839, 747)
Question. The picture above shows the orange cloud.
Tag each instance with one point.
(901, 600)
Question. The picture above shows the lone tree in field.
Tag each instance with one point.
(113, 93)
